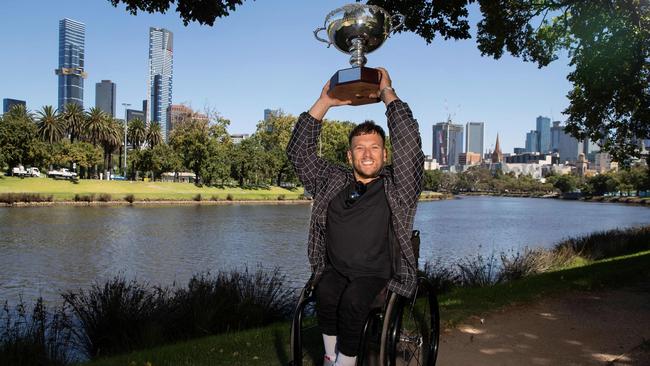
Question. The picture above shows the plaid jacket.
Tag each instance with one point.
(402, 183)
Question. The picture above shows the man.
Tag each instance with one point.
(361, 220)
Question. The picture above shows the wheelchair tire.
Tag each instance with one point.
(411, 328)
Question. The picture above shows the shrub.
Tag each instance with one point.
(215, 198)
(84, 197)
(11, 198)
(129, 198)
(230, 197)
(282, 197)
(39, 338)
(105, 197)
(441, 277)
(116, 317)
(523, 264)
(478, 272)
(197, 197)
(608, 244)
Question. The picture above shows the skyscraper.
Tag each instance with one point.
(105, 96)
(543, 134)
(71, 62)
(474, 137)
(447, 143)
(569, 149)
(556, 132)
(159, 88)
(532, 141)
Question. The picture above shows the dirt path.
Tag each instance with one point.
(607, 327)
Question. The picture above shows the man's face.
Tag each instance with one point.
(367, 155)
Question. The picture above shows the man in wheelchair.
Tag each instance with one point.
(361, 220)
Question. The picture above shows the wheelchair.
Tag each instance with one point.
(398, 330)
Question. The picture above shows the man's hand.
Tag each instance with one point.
(385, 85)
(325, 102)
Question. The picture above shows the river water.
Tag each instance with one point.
(46, 250)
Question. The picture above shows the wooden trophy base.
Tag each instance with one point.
(355, 84)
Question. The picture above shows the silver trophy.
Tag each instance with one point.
(358, 29)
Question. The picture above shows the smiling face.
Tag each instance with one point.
(367, 156)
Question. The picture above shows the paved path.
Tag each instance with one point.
(605, 327)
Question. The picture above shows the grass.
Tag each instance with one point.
(269, 345)
(62, 190)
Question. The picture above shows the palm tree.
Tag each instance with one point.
(94, 125)
(154, 134)
(137, 132)
(19, 111)
(111, 138)
(73, 115)
(50, 125)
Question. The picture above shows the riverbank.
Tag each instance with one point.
(269, 345)
(29, 192)
(603, 199)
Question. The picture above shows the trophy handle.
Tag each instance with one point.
(321, 39)
(397, 18)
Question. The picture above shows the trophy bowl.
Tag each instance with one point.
(358, 29)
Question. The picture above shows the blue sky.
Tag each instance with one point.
(264, 56)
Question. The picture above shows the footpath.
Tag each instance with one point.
(601, 327)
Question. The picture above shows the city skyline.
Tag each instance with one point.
(227, 67)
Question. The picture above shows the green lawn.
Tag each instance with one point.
(269, 345)
(63, 190)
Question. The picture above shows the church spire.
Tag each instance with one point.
(497, 156)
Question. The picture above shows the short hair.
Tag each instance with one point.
(367, 127)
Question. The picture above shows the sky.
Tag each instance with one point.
(264, 55)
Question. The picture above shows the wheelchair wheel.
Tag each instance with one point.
(411, 330)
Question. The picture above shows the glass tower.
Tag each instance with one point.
(159, 87)
(71, 62)
(544, 134)
(447, 143)
(474, 137)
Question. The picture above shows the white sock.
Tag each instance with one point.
(330, 346)
(343, 360)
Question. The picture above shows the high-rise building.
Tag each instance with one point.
(8, 103)
(532, 141)
(72, 35)
(159, 88)
(474, 137)
(556, 132)
(132, 114)
(544, 134)
(447, 143)
(569, 148)
(105, 96)
(519, 150)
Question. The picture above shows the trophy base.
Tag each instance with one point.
(355, 84)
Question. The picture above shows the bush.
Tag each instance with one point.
(230, 197)
(441, 277)
(282, 197)
(84, 197)
(523, 264)
(11, 198)
(105, 197)
(215, 198)
(197, 197)
(116, 317)
(129, 198)
(478, 272)
(607, 244)
(42, 338)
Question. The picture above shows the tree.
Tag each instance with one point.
(608, 43)
(51, 126)
(94, 127)
(111, 140)
(273, 136)
(600, 184)
(248, 160)
(73, 116)
(565, 183)
(334, 141)
(190, 139)
(136, 132)
(154, 134)
(432, 179)
(19, 143)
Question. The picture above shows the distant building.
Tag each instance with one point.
(71, 70)
(268, 113)
(519, 150)
(556, 132)
(603, 163)
(532, 141)
(238, 138)
(161, 62)
(474, 135)
(447, 143)
(132, 114)
(430, 163)
(569, 148)
(532, 158)
(497, 155)
(8, 103)
(469, 158)
(178, 113)
(105, 97)
(543, 134)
